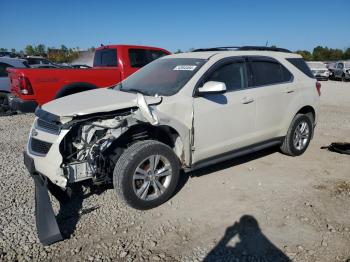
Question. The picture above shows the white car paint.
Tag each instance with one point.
(206, 127)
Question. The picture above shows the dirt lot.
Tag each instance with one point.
(263, 207)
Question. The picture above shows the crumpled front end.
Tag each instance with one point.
(43, 147)
(63, 150)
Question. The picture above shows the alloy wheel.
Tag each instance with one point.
(152, 177)
(301, 135)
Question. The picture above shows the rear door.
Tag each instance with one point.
(273, 88)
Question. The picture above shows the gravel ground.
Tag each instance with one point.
(263, 207)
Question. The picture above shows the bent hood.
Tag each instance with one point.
(95, 101)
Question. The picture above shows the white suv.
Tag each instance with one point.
(180, 112)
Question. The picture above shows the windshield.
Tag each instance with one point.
(316, 65)
(163, 77)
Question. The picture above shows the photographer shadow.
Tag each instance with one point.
(253, 245)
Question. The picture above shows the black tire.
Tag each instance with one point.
(125, 168)
(288, 147)
(343, 79)
(4, 104)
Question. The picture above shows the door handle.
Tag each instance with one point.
(289, 90)
(247, 100)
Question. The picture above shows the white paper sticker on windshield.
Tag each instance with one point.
(185, 67)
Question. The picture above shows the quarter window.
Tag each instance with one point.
(269, 72)
(3, 72)
(301, 65)
(232, 74)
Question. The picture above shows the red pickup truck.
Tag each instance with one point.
(31, 87)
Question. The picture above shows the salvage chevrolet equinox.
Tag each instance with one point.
(180, 112)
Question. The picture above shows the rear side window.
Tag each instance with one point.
(141, 57)
(106, 58)
(37, 61)
(301, 65)
(138, 57)
(155, 54)
(232, 74)
(3, 72)
(269, 72)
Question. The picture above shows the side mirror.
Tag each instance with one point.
(212, 87)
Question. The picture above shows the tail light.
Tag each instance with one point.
(25, 87)
(318, 88)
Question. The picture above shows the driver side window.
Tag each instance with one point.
(232, 74)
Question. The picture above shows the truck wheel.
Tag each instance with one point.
(146, 174)
(343, 78)
(4, 104)
(298, 136)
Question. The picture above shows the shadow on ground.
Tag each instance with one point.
(250, 245)
(71, 211)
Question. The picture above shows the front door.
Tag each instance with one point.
(224, 122)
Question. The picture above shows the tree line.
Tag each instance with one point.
(67, 55)
(321, 53)
(62, 54)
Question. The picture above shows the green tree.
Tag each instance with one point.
(40, 50)
(320, 53)
(178, 51)
(13, 50)
(346, 54)
(29, 50)
(3, 49)
(305, 54)
(64, 48)
(335, 54)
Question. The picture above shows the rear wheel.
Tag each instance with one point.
(146, 174)
(4, 104)
(343, 78)
(299, 135)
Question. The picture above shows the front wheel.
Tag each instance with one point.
(146, 174)
(298, 136)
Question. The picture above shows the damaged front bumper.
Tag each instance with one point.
(46, 224)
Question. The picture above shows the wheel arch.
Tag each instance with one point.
(307, 110)
(162, 133)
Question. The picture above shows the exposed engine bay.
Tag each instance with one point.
(87, 149)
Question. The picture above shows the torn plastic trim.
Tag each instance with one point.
(149, 115)
(46, 223)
